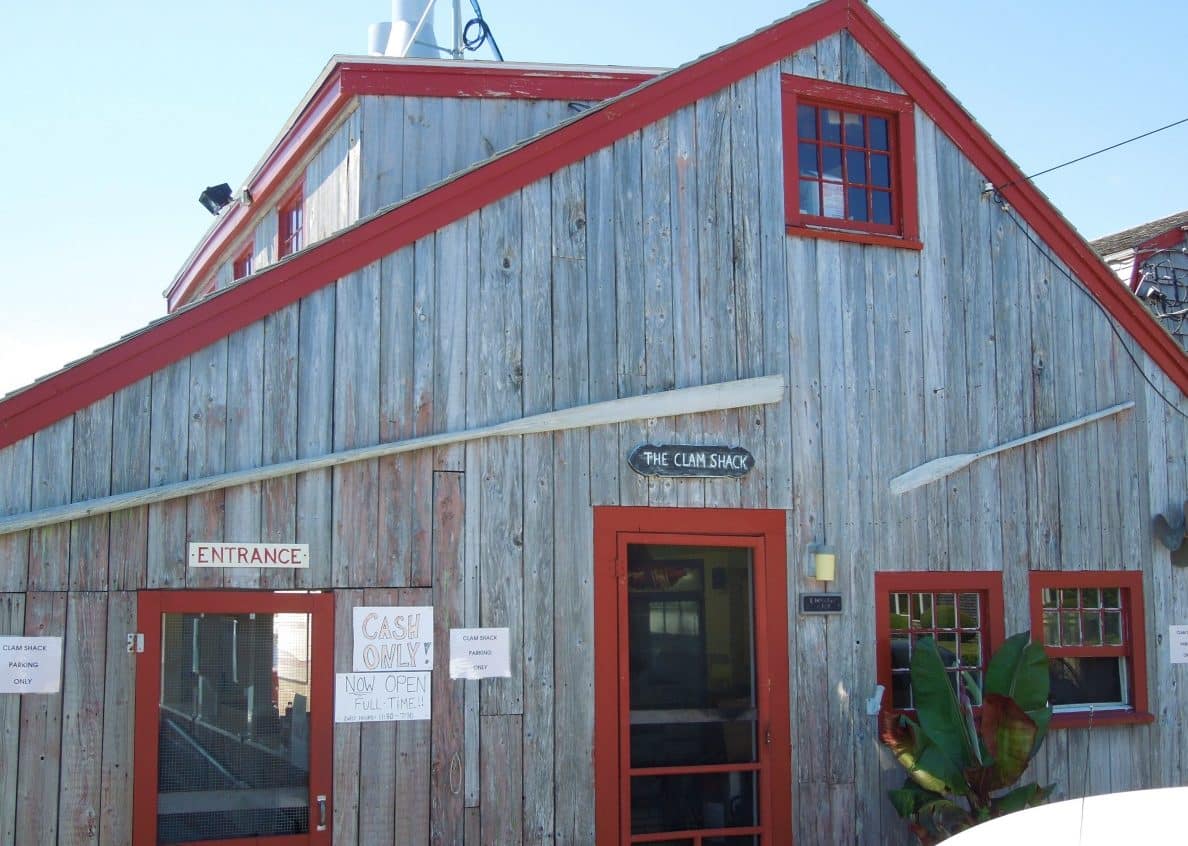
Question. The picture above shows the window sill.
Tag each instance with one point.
(855, 237)
(1082, 719)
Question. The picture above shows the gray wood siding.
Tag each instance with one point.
(659, 262)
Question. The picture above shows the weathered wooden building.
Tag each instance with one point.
(433, 249)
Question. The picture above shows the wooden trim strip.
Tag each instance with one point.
(760, 390)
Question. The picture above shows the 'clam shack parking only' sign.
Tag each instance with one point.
(30, 664)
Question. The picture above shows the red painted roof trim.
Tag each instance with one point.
(283, 283)
(349, 79)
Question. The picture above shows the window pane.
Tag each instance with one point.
(806, 121)
(1051, 629)
(947, 645)
(693, 801)
(233, 755)
(899, 611)
(854, 134)
(1070, 628)
(807, 155)
(878, 133)
(946, 610)
(810, 198)
(1084, 681)
(1112, 625)
(1090, 628)
(855, 166)
(857, 200)
(1049, 598)
(1090, 598)
(901, 690)
(833, 196)
(727, 737)
(831, 163)
(971, 650)
(971, 610)
(901, 652)
(880, 171)
(922, 616)
(1070, 598)
(831, 125)
(881, 213)
(1111, 598)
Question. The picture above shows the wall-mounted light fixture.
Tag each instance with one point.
(822, 563)
(215, 197)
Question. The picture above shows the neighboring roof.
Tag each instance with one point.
(346, 77)
(278, 285)
(1128, 239)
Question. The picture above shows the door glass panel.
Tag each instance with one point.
(233, 756)
(693, 699)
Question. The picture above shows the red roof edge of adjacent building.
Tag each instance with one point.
(233, 308)
(346, 78)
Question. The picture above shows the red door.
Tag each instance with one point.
(692, 727)
(234, 718)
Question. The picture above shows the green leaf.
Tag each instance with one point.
(1019, 670)
(937, 708)
(971, 688)
(908, 799)
(926, 765)
(1024, 796)
(1009, 735)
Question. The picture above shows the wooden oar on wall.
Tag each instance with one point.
(938, 468)
(719, 396)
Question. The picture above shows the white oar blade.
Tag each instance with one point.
(931, 471)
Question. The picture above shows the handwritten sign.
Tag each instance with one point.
(393, 638)
(686, 460)
(249, 555)
(479, 654)
(30, 664)
(1178, 643)
(381, 697)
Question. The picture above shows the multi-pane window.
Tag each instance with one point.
(849, 168)
(1092, 630)
(242, 265)
(961, 612)
(844, 160)
(290, 223)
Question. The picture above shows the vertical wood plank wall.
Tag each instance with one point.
(659, 262)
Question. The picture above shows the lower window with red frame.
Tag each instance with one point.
(962, 612)
(1093, 630)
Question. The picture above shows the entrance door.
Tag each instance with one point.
(234, 718)
(692, 733)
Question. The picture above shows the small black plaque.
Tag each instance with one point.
(688, 460)
(820, 603)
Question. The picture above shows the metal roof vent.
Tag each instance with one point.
(409, 35)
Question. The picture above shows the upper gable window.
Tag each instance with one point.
(242, 265)
(849, 163)
(290, 223)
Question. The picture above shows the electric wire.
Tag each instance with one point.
(484, 34)
(1091, 155)
(1079, 286)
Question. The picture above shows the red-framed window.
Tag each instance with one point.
(242, 264)
(290, 215)
(234, 719)
(962, 612)
(1094, 632)
(849, 163)
(692, 727)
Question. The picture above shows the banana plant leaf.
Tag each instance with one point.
(937, 708)
(926, 765)
(1023, 796)
(1019, 670)
(1009, 735)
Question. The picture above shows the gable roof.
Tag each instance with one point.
(278, 285)
(1136, 236)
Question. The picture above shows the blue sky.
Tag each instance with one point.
(119, 113)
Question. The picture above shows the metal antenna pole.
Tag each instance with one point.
(457, 52)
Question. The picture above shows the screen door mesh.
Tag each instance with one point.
(234, 726)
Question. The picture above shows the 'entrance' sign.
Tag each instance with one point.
(689, 460)
(30, 664)
(249, 555)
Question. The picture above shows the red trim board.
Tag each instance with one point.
(287, 281)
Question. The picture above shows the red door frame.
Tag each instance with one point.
(150, 606)
(764, 532)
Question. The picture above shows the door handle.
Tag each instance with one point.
(321, 813)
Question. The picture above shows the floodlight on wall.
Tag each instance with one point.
(215, 197)
(823, 563)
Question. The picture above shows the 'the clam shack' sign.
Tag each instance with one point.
(218, 554)
(690, 460)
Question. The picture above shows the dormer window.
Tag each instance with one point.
(290, 220)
